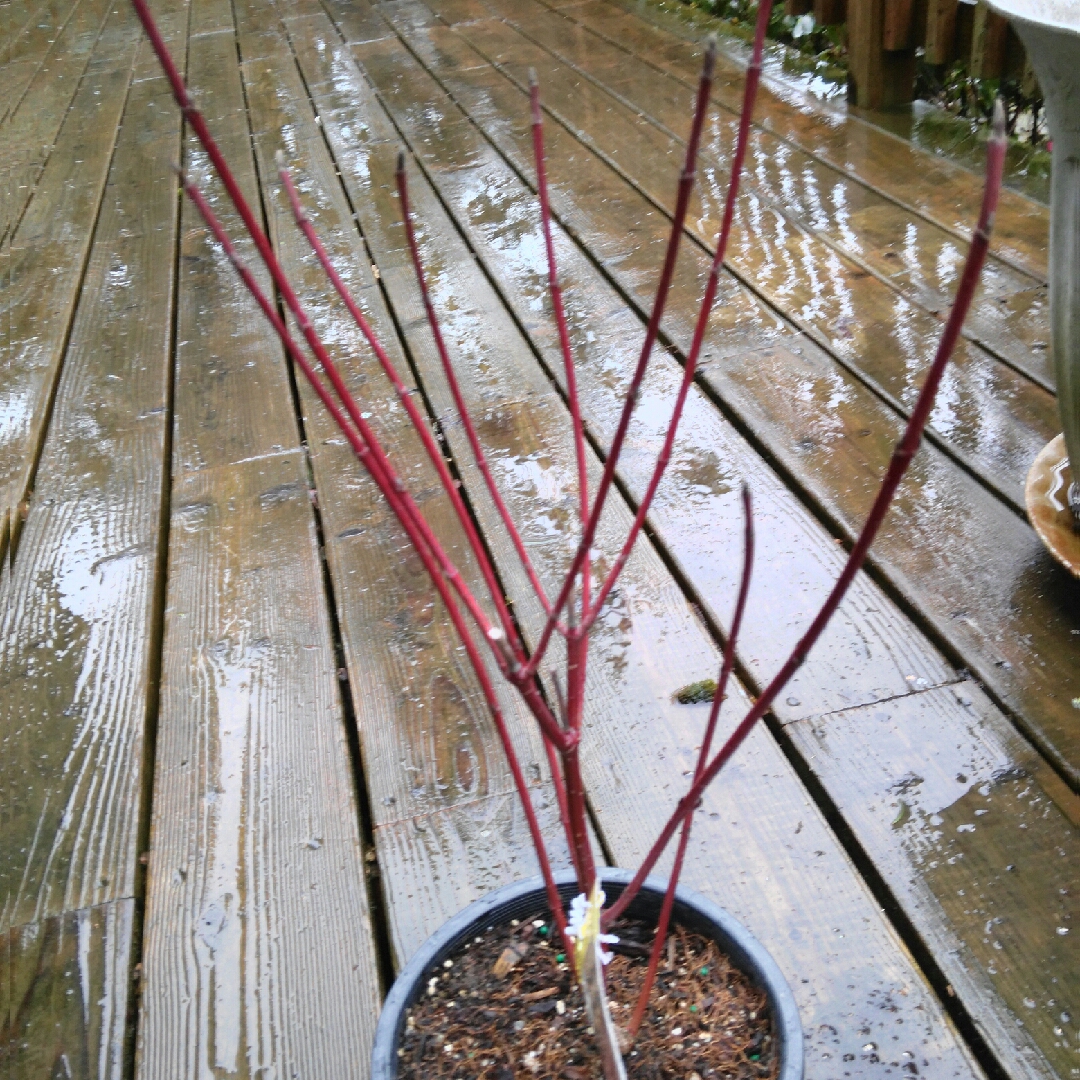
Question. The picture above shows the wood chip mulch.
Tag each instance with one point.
(706, 1020)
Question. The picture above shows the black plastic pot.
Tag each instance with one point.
(526, 899)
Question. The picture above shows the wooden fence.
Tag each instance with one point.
(883, 36)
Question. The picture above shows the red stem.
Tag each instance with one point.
(576, 657)
(753, 78)
(554, 762)
(564, 337)
(572, 398)
(686, 182)
(703, 756)
(901, 458)
(459, 401)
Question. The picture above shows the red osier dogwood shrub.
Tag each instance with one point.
(573, 612)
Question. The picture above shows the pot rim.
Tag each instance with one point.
(524, 898)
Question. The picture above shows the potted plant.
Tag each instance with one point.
(574, 939)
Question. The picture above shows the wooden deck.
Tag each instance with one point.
(245, 771)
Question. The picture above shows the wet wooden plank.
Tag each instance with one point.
(65, 991)
(856, 316)
(526, 431)
(980, 840)
(257, 945)
(940, 190)
(78, 643)
(258, 952)
(917, 258)
(29, 33)
(27, 139)
(980, 1005)
(44, 265)
(15, 75)
(767, 378)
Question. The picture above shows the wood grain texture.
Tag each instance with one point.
(77, 605)
(45, 259)
(65, 991)
(940, 31)
(27, 35)
(27, 138)
(836, 458)
(259, 951)
(650, 641)
(989, 34)
(234, 402)
(980, 841)
(898, 27)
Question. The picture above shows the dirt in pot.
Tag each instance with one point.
(505, 1008)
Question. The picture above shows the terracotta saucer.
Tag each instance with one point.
(1046, 495)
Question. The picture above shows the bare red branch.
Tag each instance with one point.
(726, 667)
(686, 182)
(753, 78)
(459, 402)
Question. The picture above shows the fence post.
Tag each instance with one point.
(830, 12)
(988, 40)
(940, 31)
(880, 76)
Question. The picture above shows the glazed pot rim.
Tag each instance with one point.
(527, 898)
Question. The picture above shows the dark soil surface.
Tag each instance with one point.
(706, 1020)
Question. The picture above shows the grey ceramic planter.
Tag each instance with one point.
(527, 898)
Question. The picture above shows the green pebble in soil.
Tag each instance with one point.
(696, 692)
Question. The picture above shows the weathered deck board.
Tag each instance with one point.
(938, 189)
(917, 259)
(837, 462)
(45, 259)
(27, 34)
(981, 841)
(30, 133)
(258, 950)
(64, 994)
(525, 428)
(82, 589)
(78, 643)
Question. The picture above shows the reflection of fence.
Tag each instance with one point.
(884, 34)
